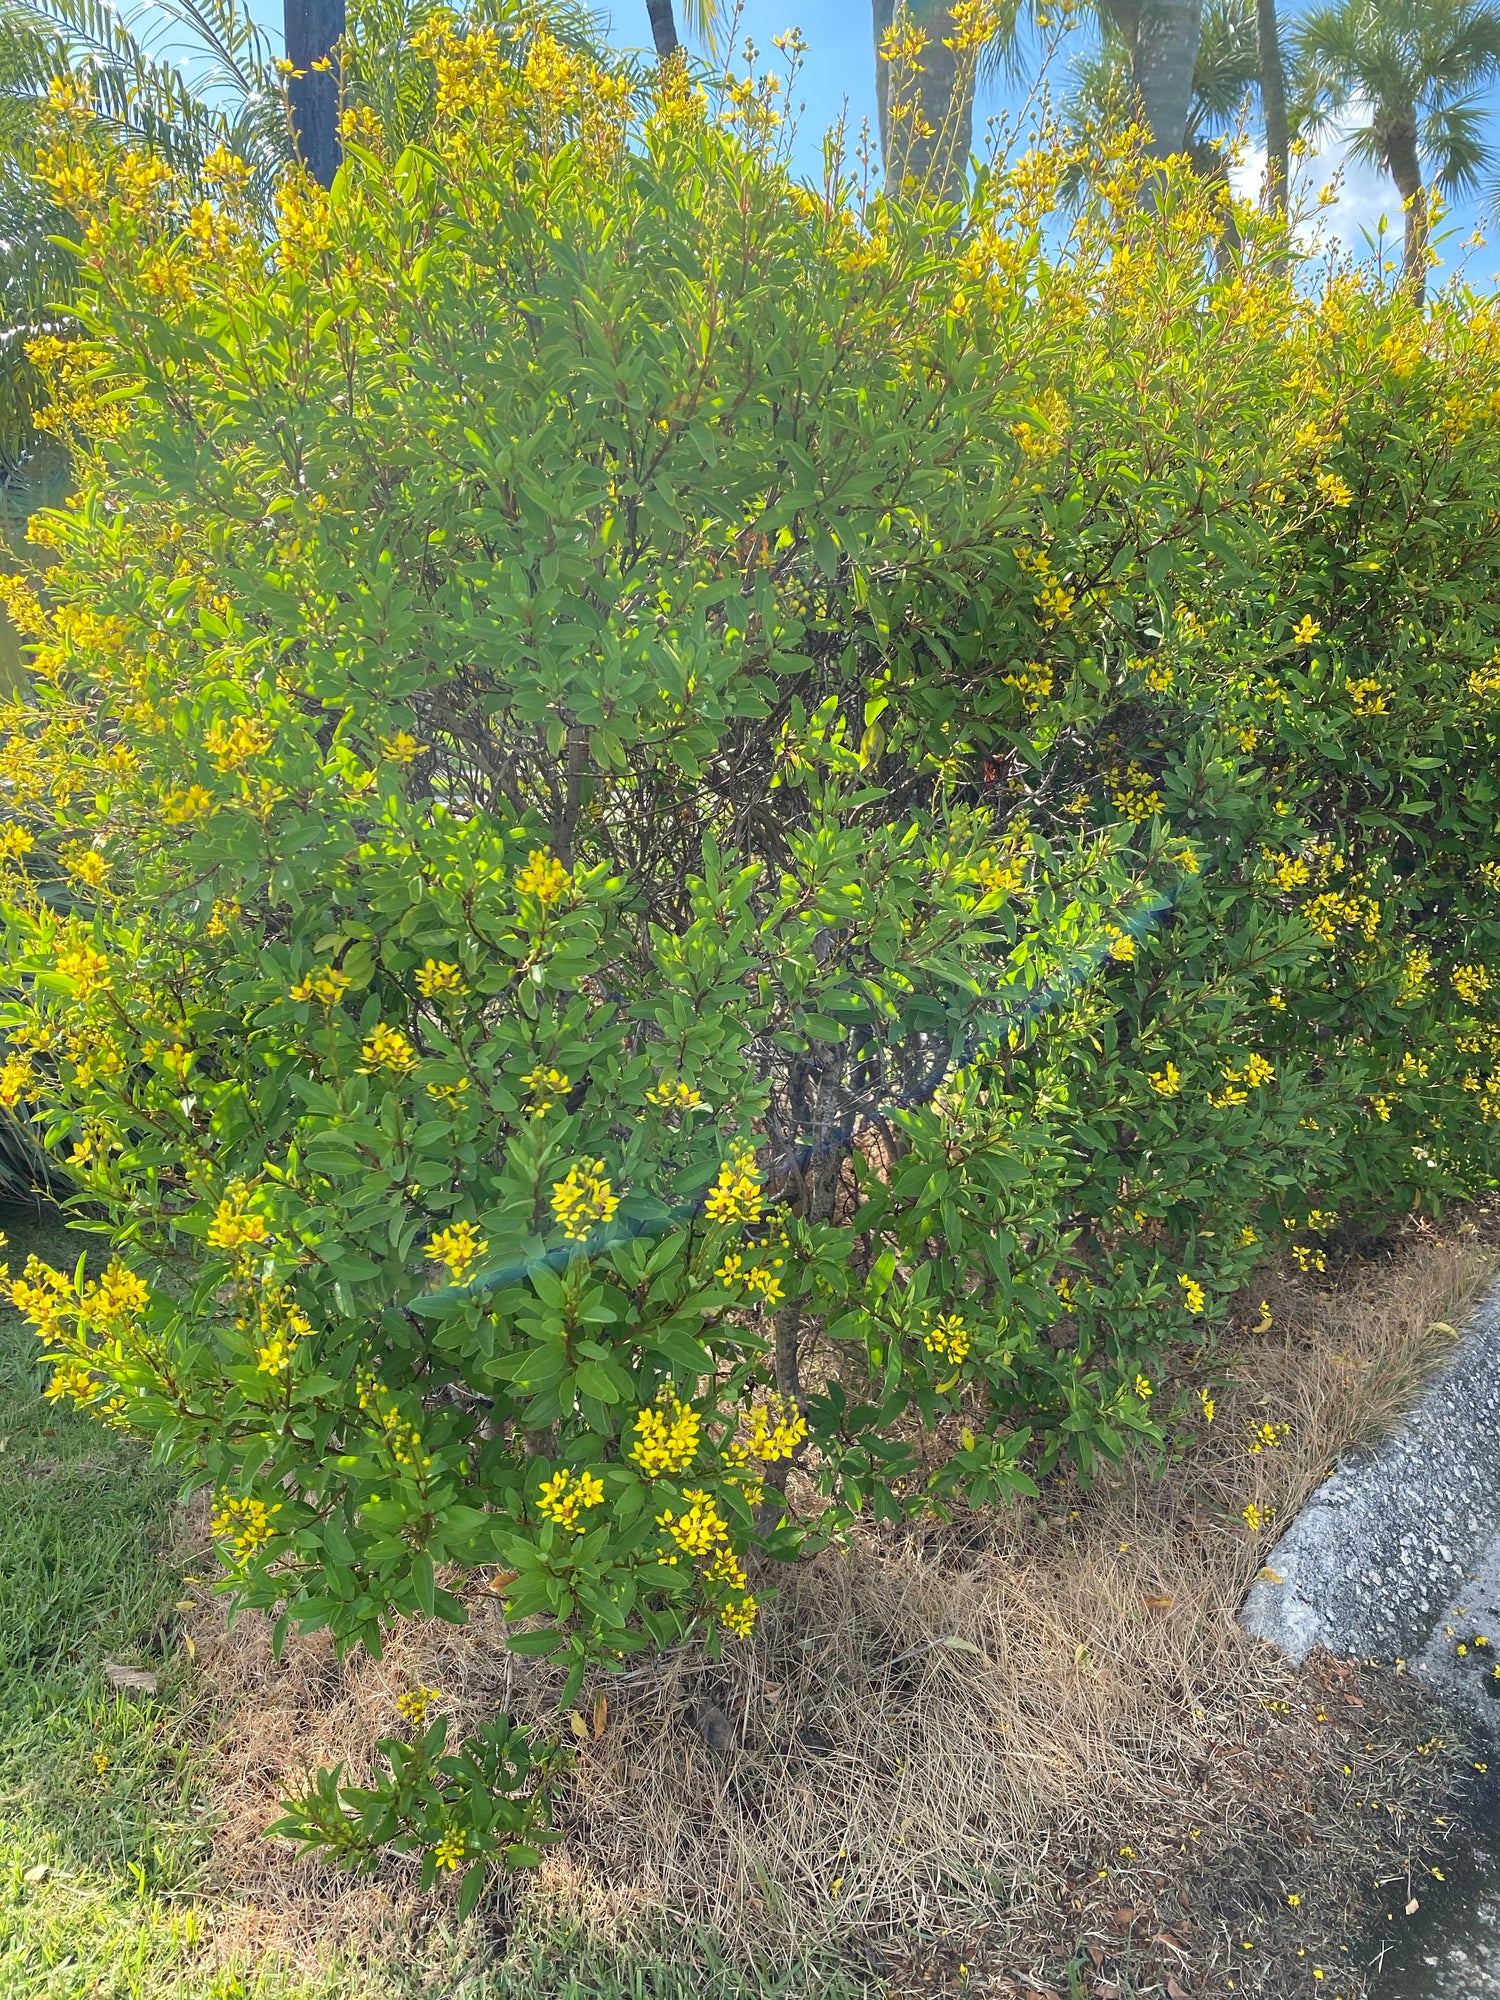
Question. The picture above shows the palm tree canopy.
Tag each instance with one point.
(1421, 64)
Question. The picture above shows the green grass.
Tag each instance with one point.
(87, 1575)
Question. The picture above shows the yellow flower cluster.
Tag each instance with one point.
(71, 1379)
(386, 1047)
(401, 747)
(1122, 946)
(1471, 983)
(583, 1199)
(236, 1225)
(1166, 1082)
(417, 1704)
(777, 1427)
(88, 969)
(1306, 630)
(948, 1338)
(672, 1094)
(15, 842)
(439, 976)
(183, 805)
(1416, 977)
(84, 863)
(759, 1279)
(1289, 871)
(1368, 696)
(699, 1530)
(1133, 793)
(328, 986)
(736, 1195)
(1194, 1297)
(232, 745)
(246, 1523)
(1033, 684)
(547, 1087)
(666, 1438)
(1267, 1437)
(1332, 490)
(17, 1080)
(1003, 877)
(563, 1498)
(1331, 912)
(543, 877)
(1484, 682)
(450, 1850)
(459, 1248)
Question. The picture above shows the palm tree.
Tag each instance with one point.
(1271, 75)
(1414, 71)
(705, 19)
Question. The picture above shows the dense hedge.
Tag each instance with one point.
(674, 827)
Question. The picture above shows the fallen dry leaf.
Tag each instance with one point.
(1159, 1603)
(37, 1874)
(135, 1678)
(1412, 1907)
(601, 1715)
(1175, 1988)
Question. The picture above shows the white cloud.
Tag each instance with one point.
(1362, 195)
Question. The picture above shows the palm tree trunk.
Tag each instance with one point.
(1273, 105)
(313, 29)
(663, 28)
(1400, 149)
(926, 148)
(1166, 50)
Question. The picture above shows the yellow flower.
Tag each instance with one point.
(70, 1379)
(415, 1705)
(328, 986)
(1208, 1405)
(739, 1615)
(244, 1523)
(388, 1048)
(563, 1498)
(547, 1087)
(1471, 983)
(1253, 1518)
(948, 1338)
(88, 969)
(1194, 1296)
(700, 1530)
(735, 1196)
(439, 976)
(666, 1443)
(583, 1199)
(459, 1247)
(401, 747)
(777, 1427)
(231, 745)
(672, 1094)
(1306, 631)
(1166, 1082)
(543, 877)
(1122, 946)
(450, 1850)
(236, 1226)
(185, 804)
(84, 863)
(1333, 489)
(1143, 1388)
(15, 842)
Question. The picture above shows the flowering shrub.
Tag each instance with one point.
(671, 829)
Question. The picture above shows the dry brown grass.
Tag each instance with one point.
(1004, 1742)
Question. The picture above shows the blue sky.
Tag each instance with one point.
(838, 78)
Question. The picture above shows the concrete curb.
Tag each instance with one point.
(1403, 1542)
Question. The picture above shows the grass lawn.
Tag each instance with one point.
(105, 1830)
